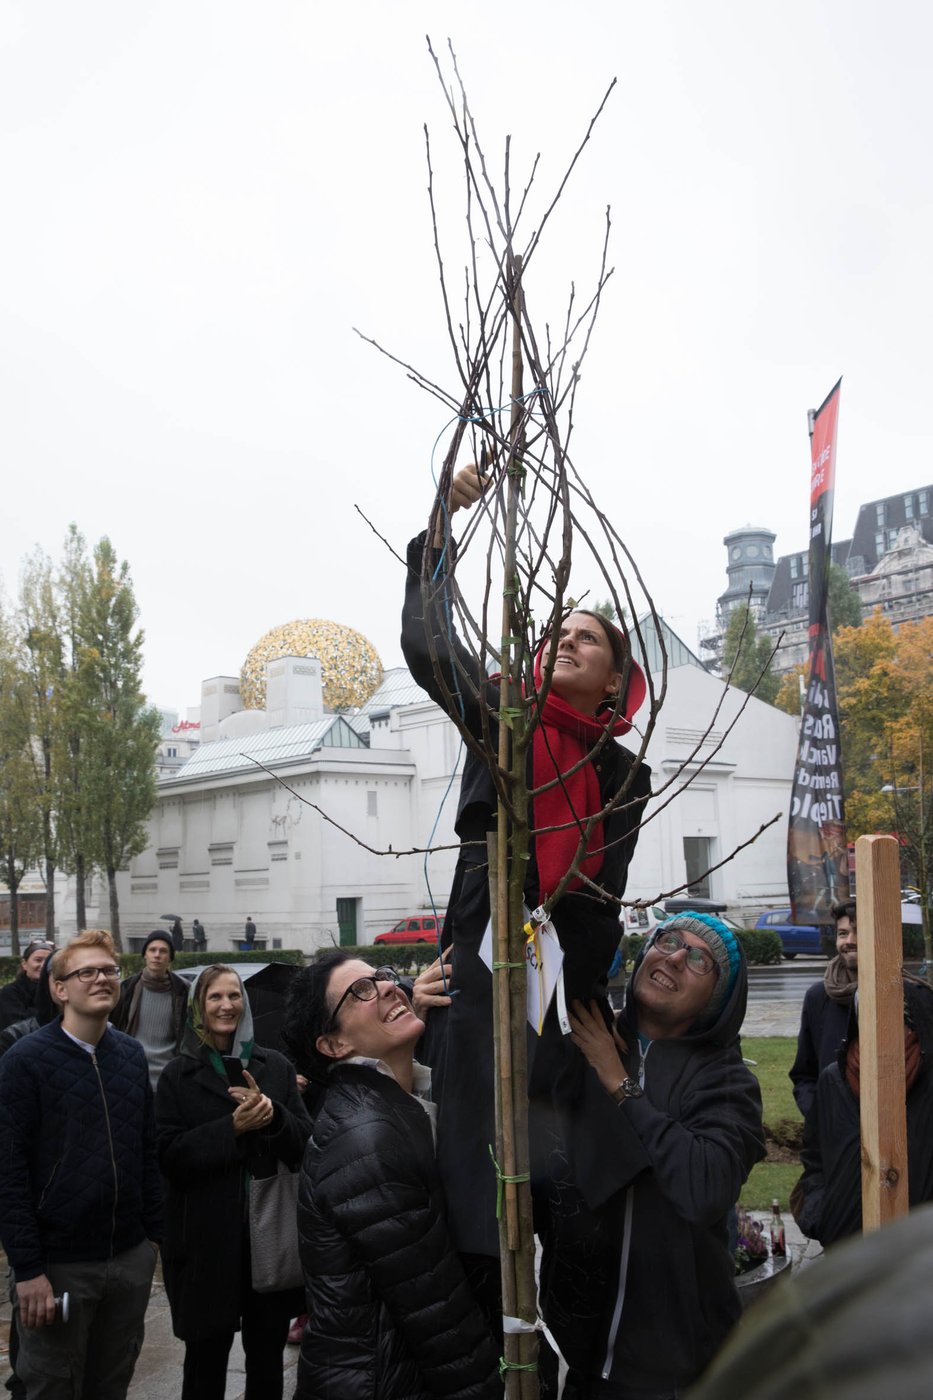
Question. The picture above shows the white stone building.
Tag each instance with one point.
(305, 819)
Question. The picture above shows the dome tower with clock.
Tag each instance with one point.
(751, 564)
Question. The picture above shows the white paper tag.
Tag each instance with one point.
(545, 960)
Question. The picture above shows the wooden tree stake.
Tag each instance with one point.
(881, 1031)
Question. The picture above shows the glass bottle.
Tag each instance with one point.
(778, 1242)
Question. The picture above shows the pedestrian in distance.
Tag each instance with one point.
(249, 933)
(178, 936)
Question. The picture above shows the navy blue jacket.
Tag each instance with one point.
(78, 1172)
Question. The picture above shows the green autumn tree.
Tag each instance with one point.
(20, 815)
(71, 762)
(117, 730)
(748, 656)
(844, 604)
(43, 667)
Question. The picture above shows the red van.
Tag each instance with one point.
(416, 928)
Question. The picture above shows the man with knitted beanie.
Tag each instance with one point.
(153, 1005)
(825, 1013)
(637, 1278)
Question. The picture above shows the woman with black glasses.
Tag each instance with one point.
(389, 1309)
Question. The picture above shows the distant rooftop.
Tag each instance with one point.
(272, 747)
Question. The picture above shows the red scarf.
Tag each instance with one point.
(563, 737)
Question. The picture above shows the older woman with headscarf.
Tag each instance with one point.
(216, 1136)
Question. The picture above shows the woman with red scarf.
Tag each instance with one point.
(593, 661)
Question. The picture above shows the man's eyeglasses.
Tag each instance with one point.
(699, 963)
(365, 988)
(91, 974)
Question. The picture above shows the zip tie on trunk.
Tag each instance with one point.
(502, 1180)
(514, 1366)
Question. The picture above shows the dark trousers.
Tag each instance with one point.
(93, 1354)
(205, 1373)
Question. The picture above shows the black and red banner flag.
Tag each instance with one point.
(817, 862)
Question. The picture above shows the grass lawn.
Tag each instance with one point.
(773, 1056)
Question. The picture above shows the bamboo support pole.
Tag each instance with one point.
(507, 870)
(881, 1032)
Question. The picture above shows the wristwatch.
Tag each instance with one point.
(628, 1089)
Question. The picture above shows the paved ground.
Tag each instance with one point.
(158, 1374)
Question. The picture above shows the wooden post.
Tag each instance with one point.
(881, 1031)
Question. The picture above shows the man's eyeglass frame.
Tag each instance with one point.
(670, 941)
(92, 974)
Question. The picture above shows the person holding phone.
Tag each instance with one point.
(227, 1111)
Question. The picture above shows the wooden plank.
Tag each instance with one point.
(881, 1031)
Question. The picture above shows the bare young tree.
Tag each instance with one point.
(512, 414)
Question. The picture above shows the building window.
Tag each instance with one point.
(923, 497)
(879, 543)
(908, 507)
(171, 752)
(892, 538)
(793, 566)
(879, 513)
(804, 565)
(372, 804)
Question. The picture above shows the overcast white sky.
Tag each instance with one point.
(201, 199)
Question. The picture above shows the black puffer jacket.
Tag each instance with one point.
(637, 1278)
(390, 1315)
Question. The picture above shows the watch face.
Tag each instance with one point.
(633, 1089)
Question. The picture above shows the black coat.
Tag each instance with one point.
(459, 1042)
(637, 1277)
(17, 1000)
(390, 1314)
(823, 1024)
(832, 1142)
(205, 1166)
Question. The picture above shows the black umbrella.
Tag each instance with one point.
(172, 918)
(266, 985)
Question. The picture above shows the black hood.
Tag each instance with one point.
(46, 1010)
(722, 1031)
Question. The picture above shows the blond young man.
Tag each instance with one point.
(80, 1198)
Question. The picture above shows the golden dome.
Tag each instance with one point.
(350, 665)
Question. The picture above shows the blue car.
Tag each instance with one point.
(796, 938)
